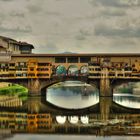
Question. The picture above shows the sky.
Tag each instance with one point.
(79, 26)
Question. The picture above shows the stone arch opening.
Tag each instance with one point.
(73, 70)
(61, 70)
(126, 94)
(84, 70)
(126, 87)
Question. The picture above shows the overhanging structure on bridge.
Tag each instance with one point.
(34, 70)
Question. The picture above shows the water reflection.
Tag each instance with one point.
(72, 95)
(117, 124)
(127, 100)
(106, 122)
(73, 119)
(35, 116)
(84, 119)
(72, 137)
(61, 119)
(10, 101)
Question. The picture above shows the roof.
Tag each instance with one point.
(80, 54)
(21, 44)
(7, 38)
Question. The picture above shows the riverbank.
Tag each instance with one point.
(14, 90)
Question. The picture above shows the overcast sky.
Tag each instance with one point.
(86, 26)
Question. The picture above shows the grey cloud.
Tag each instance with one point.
(116, 3)
(2, 16)
(53, 13)
(69, 24)
(14, 14)
(80, 37)
(102, 30)
(113, 12)
(7, 0)
(50, 47)
(83, 34)
(34, 8)
(125, 43)
(27, 29)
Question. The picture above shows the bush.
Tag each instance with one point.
(14, 90)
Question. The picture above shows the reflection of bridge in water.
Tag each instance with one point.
(39, 105)
(10, 101)
(37, 117)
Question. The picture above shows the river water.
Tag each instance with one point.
(72, 95)
(72, 110)
(127, 100)
(70, 137)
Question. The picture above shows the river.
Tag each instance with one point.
(70, 137)
(71, 110)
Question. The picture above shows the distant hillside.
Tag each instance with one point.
(67, 53)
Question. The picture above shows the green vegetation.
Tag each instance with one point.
(13, 90)
(125, 90)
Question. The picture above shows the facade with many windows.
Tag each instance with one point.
(8, 45)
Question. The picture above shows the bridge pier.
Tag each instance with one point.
(105, 105)
(34, 87)
(105, 87)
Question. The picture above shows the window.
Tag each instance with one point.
(72, 59)
(85, 59)
(60, 59)
(31, 69)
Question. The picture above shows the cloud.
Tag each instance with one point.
(7, 0)
(27, 29)
(34, 8)
(73, 25)
(82, 34)
(113, 12)
(17, 14)
(116, 3)
(102, 30)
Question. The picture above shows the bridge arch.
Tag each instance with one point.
(84, 70)
(125, 84)
(73, 70)
(60, 70)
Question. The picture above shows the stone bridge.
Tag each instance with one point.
(38, 86)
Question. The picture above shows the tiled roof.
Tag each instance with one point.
(16, 42)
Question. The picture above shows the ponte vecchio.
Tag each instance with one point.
(37, 71)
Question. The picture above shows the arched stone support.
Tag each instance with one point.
(105, 87)
(34, 86)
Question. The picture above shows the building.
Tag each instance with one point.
(8, 45)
